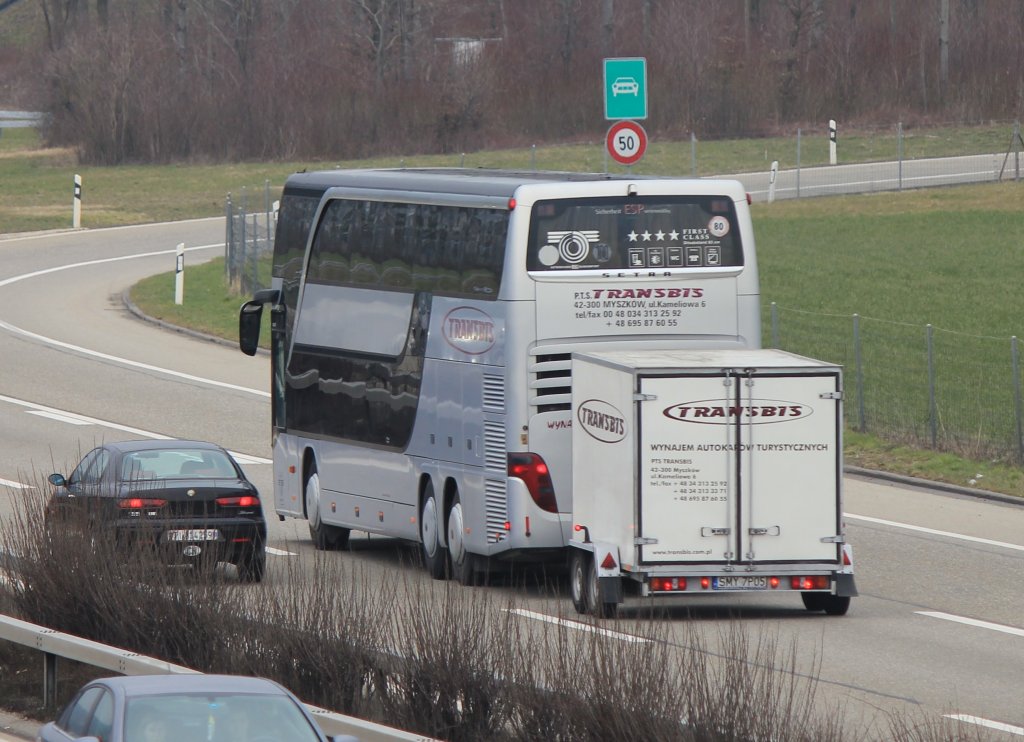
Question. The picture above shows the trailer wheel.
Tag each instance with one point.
(814, 601)
(585, 586)
(579, 562)
(837, 605)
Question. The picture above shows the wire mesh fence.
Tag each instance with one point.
(916, 384)
(249, 237)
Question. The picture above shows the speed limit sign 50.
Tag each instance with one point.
(626, 142)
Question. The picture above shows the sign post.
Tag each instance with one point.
(179, 274)
(76, 205)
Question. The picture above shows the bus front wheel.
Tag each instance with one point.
(325, 537)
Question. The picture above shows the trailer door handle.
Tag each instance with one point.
(769, 531)
(706, 531)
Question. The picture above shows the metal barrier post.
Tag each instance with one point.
(49, 679)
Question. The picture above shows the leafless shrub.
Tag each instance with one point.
(435, 658)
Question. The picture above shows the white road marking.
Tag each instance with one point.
(972, 622)
(579, 626)
(279, 552)
(15, 485)
(59, 417)
(921, 529)
(77, 419)
(104, 356)
(996, 725)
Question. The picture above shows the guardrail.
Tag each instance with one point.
(54, 644)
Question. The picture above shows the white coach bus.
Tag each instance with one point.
(423, 322)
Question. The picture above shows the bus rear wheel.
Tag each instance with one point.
(463, 563)
(433, 552)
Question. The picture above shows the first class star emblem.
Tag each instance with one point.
(191, 493)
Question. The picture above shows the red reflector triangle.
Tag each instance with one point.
(609, 562)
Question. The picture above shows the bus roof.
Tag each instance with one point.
(467, 181)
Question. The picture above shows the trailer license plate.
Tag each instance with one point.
(740, 582)
(193, 534)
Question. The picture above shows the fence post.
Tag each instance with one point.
(861, 420)
(229, 234)
(533, 157)
(899, 155)
(693, 154)
(255, 286)
(1015, 354)
(775, 325)
(798, 142)
(932, 407)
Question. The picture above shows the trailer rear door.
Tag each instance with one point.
(739, 467)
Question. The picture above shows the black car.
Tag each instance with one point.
(189, 499)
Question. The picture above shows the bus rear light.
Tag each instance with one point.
(511, 204)
(508, 525)
(531, 469)
(774, 582)
(137, 503)
(705, 583)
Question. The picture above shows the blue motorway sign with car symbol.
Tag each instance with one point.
(625, 88)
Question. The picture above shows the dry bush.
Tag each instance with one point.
(435, 658)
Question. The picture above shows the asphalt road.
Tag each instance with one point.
(937, 631)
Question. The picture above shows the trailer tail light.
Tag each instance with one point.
(531, 469)
(668, 584)
(814, 582)
(137, 503)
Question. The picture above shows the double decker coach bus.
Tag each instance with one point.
(422, 326)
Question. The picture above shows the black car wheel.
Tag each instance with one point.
(253, 565)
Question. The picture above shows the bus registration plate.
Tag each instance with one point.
(740, 582)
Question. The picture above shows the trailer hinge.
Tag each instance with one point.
(641, 541)
(644, 397)
(831, 395)
(769, 531)
(706, 531)
(833, 539)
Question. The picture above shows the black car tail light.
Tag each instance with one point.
(137, 503)
(239, 501)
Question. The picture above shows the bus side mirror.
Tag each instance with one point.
(249, 318)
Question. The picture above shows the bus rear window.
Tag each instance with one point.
(664, 233)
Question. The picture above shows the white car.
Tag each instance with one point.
(625, 86)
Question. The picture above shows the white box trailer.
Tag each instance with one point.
(707, 472)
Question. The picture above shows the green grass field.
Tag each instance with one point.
(950, 257)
